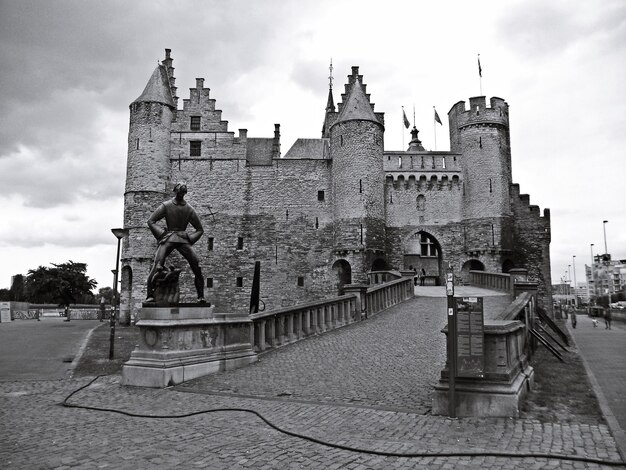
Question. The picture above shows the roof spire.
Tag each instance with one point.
(330, 104)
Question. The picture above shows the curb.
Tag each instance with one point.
(79, 354)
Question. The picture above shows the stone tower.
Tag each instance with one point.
(356, 143)
(481, 135)
(147, 178)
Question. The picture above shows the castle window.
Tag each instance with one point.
(360, 186)
(317, 222)
(427, 246)
(320, 196)
(137, 142)
(490, 187)
(422, 166)
(240, 243)
(209, 282)
(399, 162)
(341, 140)
(434, 166)
(240, 282)
(210, 243)
(195, 148)
(421, 202)
(443, 162)
(195, 123)
(300, 281)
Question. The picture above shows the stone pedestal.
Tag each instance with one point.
(179, 343)
(506, 380)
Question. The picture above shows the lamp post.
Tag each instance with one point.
(575, 296)
(569, 281)
(592, 280)
(119, 234)
(604, 222)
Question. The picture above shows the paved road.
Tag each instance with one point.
(43, 349)
(604, 354)
(366, 387)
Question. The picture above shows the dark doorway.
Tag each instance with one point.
(343, 274)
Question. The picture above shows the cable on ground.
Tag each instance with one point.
(517, 455)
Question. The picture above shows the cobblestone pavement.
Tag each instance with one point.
(365, 394)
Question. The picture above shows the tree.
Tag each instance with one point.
(5, 295)
(64, 283)
(105, 293)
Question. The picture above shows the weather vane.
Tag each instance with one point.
(330, 77)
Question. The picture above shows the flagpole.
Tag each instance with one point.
(435, 127)
(480, 76)
(403, 127)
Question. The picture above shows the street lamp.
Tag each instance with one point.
(575, 296)
(119, 234)
(592, 280)
(604, 222)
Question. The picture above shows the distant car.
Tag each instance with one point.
(621, 305)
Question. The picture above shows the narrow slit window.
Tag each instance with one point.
(240, 243)
(321, 196)
(209, 282)
(210, 243)
(360, 186)
(300, 281)
(240, 282)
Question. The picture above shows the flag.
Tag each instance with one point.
(480, 69)
(437, 119)
(407, 124)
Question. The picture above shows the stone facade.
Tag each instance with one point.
(329, 210)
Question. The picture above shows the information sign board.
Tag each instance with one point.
(470, 337)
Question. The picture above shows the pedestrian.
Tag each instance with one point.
(607, 318)
(573, 318)
(422, 277)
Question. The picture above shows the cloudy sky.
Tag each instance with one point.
(71, 68)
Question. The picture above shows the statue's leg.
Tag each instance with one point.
(163, 251)
(194, 262)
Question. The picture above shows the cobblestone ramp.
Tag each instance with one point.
(391, 361)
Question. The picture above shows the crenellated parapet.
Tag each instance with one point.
(479, 114)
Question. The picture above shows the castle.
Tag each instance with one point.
(329, 210)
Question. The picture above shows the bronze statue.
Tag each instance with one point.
(178, 214)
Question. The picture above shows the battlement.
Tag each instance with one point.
(478, 113)
(521, 203)
(423, 182)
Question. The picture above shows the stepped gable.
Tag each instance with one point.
(157, 89)
(357, 106)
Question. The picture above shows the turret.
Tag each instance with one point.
(147, 177)
(481, 134)
(356, 142)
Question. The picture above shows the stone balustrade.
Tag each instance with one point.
(287, 325)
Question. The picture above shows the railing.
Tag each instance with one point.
(496, 281)
(380, 277)
(383, 296)
(287, 325)
(283, 326)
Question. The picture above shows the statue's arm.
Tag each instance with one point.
(195, 223)
(157, 215)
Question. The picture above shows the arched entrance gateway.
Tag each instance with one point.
(423, 251)
(343, 274)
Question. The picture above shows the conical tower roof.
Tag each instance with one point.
(158, 88)
(357, 106)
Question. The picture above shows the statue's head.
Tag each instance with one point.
(180, 188)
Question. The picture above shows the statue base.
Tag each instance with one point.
(180, 343)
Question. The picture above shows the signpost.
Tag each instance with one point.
(466, 339)
(451, 342)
